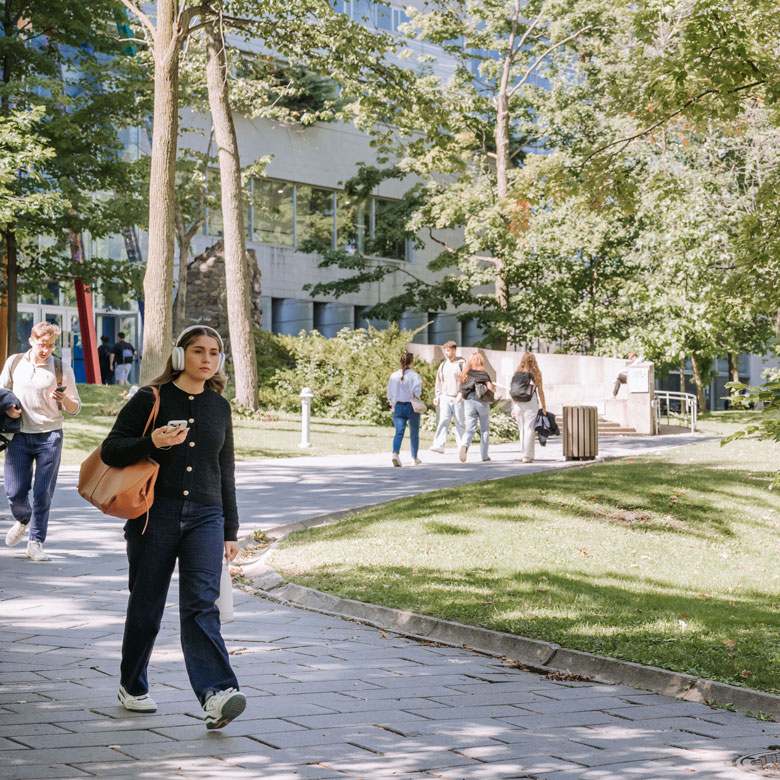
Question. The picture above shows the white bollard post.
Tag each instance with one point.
(306, 396)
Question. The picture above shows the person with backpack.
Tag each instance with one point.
(445, 393)
(475, 392)
(122, 359)
(527, 393)
(403, 393)
(45, 386)
(104, 358)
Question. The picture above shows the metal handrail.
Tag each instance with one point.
(688, 407)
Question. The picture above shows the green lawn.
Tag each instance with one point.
(668, 559)
(276, 436)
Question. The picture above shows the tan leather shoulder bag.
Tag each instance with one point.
(121, 492)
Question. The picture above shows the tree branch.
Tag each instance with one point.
(529, 30)
(549, 50)
(688, 103)
(452, 251)
(140, 15)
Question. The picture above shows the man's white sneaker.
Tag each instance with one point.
(396, 459)
(15, 534)
(440, 450)
(417, 462)
(35, 552)
(222, 707)
(142, 703)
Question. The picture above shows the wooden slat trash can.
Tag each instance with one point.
(580, 432)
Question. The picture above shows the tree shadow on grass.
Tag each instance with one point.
(447, 529)
(693, 500)
(620, 615)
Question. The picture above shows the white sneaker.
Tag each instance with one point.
(142, 703)
(15, 534)
(35, 552)
(417, 462)
(222, 707)
(396, 459)
(462, 454)
(440, 450)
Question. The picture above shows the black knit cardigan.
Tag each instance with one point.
(201, 469)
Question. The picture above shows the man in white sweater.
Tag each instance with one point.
(447, 381)
(44, 386)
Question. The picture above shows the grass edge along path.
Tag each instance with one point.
(663, 560)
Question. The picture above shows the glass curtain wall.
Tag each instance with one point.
(272, 212)
(314, 215)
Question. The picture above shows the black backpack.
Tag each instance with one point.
(522, 388)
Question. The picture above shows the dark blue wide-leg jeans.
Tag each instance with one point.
(192, 534)
(31, 454)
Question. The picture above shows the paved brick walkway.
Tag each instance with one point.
(327, 698)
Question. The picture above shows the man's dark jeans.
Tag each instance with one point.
(193, 534)
(42, 452)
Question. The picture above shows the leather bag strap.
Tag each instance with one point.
(153, 414)
(150, 422)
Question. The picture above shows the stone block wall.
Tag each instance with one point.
(207, 293)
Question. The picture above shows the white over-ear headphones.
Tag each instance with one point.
(177, 354)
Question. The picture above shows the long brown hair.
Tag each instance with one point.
(407, 358)
(528, 363)
(475, 362)
(217, 383)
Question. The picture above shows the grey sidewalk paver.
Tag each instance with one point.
(327, 698)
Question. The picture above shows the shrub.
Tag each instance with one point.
(347, 373)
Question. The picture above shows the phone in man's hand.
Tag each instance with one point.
(60, 388)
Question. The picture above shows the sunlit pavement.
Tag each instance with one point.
(327, 698)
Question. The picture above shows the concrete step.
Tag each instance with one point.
(610, 428)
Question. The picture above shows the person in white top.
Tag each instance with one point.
(445, 393)
(44, 387)
(403, 386)
(622, 377)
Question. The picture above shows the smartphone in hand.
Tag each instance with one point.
(60, 389)
(174, 424)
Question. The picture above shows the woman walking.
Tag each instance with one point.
(194, 520)
(527, 393)
(404, 386)
(476, 391)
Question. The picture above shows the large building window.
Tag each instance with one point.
(372, 14)
(273, 212)
(314, 215)
(288, 215)
(388, 222)
(353, 223)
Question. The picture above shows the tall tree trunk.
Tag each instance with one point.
(158, 280)
(697, 378)
(236, 270)
(682, 375)
(12, 291)
(733, 361)
(501, 138)
(180, 315)
(8, 343)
